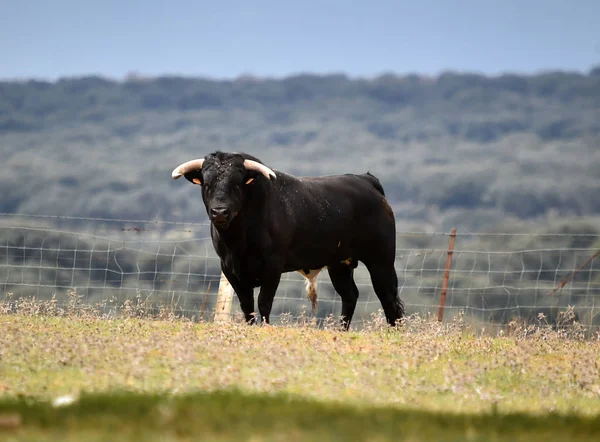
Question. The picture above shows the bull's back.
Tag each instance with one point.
(335, 217)
(341, 198)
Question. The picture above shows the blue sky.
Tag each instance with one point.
(226, 38)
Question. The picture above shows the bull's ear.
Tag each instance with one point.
(194, 176)
(252, 176)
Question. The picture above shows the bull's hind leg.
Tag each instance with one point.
(385, 284)
(342, 278)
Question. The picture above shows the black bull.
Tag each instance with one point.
(265, 222)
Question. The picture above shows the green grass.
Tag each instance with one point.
(231, 415)
(177, 380)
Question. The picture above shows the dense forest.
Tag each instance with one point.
(465, 150)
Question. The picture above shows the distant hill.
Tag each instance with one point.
(458, 149)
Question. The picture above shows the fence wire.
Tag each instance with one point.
(494, 277)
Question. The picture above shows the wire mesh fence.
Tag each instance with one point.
(494, 278)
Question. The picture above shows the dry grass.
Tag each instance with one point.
(46, 352)
(148, 374)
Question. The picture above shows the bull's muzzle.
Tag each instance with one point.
(220, 216)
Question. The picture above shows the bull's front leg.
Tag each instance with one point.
(245, 294)
(268, 289)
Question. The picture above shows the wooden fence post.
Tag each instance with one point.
(446, 275)
(224, 301)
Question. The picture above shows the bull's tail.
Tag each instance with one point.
(374, 181)
(377, 185)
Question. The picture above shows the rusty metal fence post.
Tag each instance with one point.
(446, 275)
(577, 270)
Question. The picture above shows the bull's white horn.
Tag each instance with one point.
(253, 165)
(186, 167)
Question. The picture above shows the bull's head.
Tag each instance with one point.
(223, 178)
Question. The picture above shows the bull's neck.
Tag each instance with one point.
(234, 236)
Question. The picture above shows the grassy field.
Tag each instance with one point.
(170, 379)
